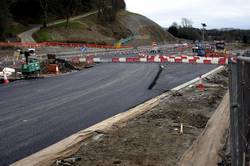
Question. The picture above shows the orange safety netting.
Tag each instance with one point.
(60, 44)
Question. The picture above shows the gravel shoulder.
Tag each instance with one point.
(154, 138)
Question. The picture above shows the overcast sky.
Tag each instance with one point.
(216, 13)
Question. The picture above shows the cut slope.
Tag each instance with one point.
(146, 31)
(140, 29)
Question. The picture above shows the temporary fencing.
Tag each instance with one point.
(53, 44)
(239, 70)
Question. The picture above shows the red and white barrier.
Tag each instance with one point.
(5, 79)
(157, 59)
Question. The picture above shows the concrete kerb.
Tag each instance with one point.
(216, 70)
(71, 145)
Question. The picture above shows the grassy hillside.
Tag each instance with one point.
(89, 30)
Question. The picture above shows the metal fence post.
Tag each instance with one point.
(239, 87)
(240, 111)
(246, 106)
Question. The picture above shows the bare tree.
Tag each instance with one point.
(4, 18)
(175, 24)
(186, 23)
(45, 6)
(71, 8)
(67, 8)
(100, 8)
(118, 5)
(173, 29)
(106, 11)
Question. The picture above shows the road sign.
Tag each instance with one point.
(84, 49)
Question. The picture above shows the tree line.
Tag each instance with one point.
(187, 31)
(43, 11)
(230, 35)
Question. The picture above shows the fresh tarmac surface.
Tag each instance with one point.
(37, 113)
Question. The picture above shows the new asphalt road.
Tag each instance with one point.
(37, 113)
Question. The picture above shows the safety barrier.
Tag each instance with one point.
(156, 59)
(53, 44)
(19, 44)
(216, 54)
(143, 50)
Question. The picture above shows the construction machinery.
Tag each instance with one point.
(155, 49)
(201, 52)
(31, 67)
(123, 41)
(220, 45)
(199, 48)
(218, 50)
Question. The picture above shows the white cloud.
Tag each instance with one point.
(216, 13)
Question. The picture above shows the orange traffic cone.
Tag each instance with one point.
(201, 86)
(5, 79)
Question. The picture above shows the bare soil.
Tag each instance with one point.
(154, 138)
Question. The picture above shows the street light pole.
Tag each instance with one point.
(204, 25)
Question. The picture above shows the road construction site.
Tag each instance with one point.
(45, 111)
(79, 58)
(162, 135)
(48, 110)
(112, 87)
(57, 59)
